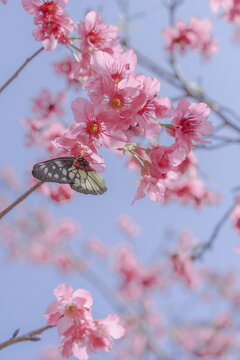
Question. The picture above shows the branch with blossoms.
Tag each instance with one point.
(80, 333)
(125, 114)
(123, 105)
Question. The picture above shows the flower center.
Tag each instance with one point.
(51, 107)
(48, 8)
(115, 103)
(71, 308)
(189, 125)
(92, 38)
(93, 128)
(116, 78)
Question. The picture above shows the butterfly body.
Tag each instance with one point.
(73, 171)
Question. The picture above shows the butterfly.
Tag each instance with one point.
(74, 171)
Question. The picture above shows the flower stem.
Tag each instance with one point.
(21, 198)
(20, 69)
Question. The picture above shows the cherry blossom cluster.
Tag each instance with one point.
(41, 240)
(186, 186)
(128, 226)
(231, 14)
(139, 324)
(226, 286)
(182, 262)
(195, 36)
(53, 23)
(66, 68)
(97, 247)
(137, 279)
(81, 334)
(125, 106)
(45, 126)
(4, 1)
(215, 339)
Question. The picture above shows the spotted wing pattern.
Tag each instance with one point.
(73, 171)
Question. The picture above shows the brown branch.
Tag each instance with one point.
(198, 94)
(202, 248)
(20, 69)
(30, 336)
(21, 198)
(157, 69)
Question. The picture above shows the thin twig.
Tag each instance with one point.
(199, 95)
(30, 336)
(202, 248)
(21, 198)
(20, 69)
(162, 72)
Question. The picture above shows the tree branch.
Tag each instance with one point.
(20, 199)
(20, 69)
(202, 248)
(30, 336)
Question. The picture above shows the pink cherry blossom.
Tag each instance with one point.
(190, 190)
(233, 11)
(235, 216)
(196, 36)
(127, 225)
(47, 106)
(137, 279)
(183, 265)
(66, 68)
(189, 164)
(38, 238)
(144, 105)
(54, 24)
(206, 341)
(82, 146)
(48, 136)
(164, 161)
(105, 64)
(190, 124)
(4, 1)
(96, 123)
(61, 193)
(95, 35)
(215, 4)
(81, 334)
(97, 247)
(81, 340)
(71, 307)
(118, 99)
(154, 187)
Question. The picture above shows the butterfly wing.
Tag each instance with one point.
(54, 170)
(88, 182)
(77, 173)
